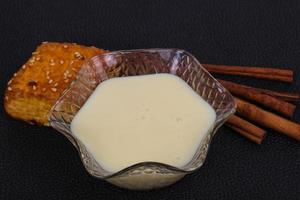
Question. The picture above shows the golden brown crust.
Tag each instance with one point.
(33, 90)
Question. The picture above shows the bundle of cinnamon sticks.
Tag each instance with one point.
(281, 103)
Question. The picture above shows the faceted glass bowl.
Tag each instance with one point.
(146, 175)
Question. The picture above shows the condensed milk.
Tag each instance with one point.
(149, 118)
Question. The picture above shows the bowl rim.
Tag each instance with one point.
(171, 168)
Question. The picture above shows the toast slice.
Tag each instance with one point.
(33, 90)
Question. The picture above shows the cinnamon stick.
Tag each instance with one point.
(283, 107)
(246, 134)
(246, 126)
(255, 72)
(268, 119)
(285, 96)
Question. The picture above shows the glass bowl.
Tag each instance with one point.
(146, 175)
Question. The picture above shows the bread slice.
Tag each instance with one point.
(33, 90)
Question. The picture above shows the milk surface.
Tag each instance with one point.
(136, 119)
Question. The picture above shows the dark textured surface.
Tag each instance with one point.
(38, 163)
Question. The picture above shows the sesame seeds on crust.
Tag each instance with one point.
(40, 81)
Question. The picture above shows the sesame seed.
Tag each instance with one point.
(52, 64)
(9, 89)
(55, 84)
(6, 98)
(74, 69)
(78, 55)
(44, 89)
(74, 43)
(34, 87)
(61, 62)
(67, 80)
(15, 74)
(51, 60)
(45, 42)
(71, 63)
(50, 81)
(35, 52)
(38, 58)
(54, 89)
(24, 66)
(9, 82)
(47, 73)
(32, 60)
(67, 72)
(65, 46)
(69, 75)
(47, 77)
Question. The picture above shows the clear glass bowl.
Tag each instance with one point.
(146, 175)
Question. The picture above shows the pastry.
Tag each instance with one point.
(33, 90)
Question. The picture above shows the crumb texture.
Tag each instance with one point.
(33, 90)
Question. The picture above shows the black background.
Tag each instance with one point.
(39, 163)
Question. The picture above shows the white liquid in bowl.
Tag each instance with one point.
(136, 119)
